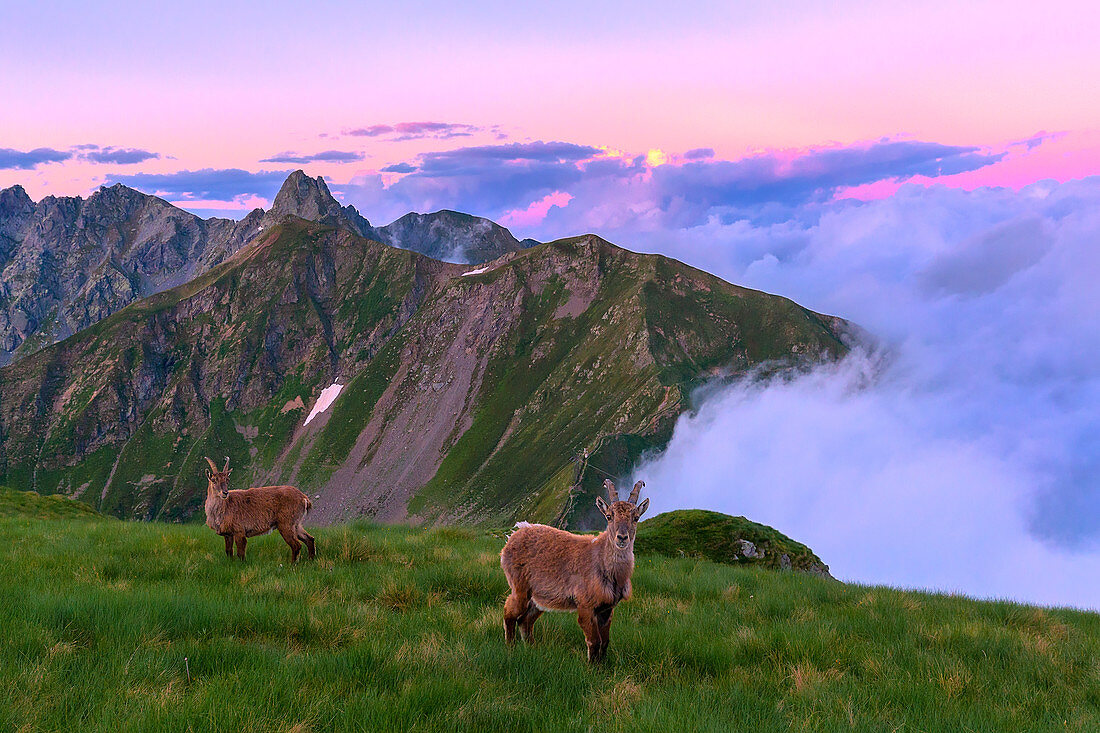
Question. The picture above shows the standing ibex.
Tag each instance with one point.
(550, 569)
(243, 513)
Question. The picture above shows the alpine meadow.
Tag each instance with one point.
(579, 366)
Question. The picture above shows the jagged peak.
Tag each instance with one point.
(301, 194)
(15, 197)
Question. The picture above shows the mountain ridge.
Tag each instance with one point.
(67, 262)
(453, 375)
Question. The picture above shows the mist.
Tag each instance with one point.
(961, 452)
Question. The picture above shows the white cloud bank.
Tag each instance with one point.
(971, 461)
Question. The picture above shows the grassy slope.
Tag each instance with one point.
(397, 628)
(27, 503)
(712, 536)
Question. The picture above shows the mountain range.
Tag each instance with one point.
(471, 394)
(67, 262)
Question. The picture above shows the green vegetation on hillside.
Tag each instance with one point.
(714, 536)
(396, 629)
(27, 504)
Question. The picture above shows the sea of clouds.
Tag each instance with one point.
(962, 453)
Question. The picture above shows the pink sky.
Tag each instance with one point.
(213, 87)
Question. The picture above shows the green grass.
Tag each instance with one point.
(29, 504)
(396, 628)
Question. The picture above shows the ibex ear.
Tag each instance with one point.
(640, 509)
(603, 507)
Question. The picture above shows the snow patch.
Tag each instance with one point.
(328, 395)
(478, 271)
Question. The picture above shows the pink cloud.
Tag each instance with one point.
(1059, 156)
(537, 211)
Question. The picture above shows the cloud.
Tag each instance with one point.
(207, 184)
(118, 156)
(472, 159)
(327, 156)
(417, 130)
(686, 193)
(488, 180)
(699, 154)
(968, 457)
(89, 152)
(611, 189)
(399, 168)
(537, 211)
(29, 159)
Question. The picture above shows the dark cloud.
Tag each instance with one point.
(216, 184)
(416, 130)
(475, 157)
(89, 152)
(699, 153)
(399, 168)
(26, 160)
(816, 175)
(118, 156)
(327, 156)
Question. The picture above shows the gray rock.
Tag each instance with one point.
(749, 551)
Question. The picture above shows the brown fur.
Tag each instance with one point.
(551, 569)
(242, 513)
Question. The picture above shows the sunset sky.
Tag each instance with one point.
(930, 171)
(210, 104)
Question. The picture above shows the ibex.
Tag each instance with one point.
(243, 513)
(549, 569)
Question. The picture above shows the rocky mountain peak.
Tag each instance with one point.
(309, 198)
(305, 197)
(14, 200)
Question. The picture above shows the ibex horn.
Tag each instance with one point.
(212, 466)
(611, 491)
(636, 491)
(226, 464)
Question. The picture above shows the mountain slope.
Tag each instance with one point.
(468, 395)
(68, 262)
